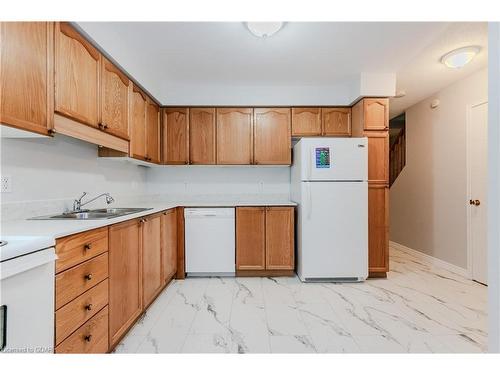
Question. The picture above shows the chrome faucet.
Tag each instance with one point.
(77, 204)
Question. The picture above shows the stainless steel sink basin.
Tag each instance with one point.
(101, 213)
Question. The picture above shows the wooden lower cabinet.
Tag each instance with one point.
(378, 230)
(280, 238)
(264, 240)
(125, 278)
(151, 258)
(81, 295)
(250, 238)
(168, 245)
(90, 338)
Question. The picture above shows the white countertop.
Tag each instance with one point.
(44, 232)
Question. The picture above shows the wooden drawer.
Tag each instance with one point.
(73, 282)
(80, 247)
(71, 316)
(92, 337)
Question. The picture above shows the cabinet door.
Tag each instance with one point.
(26, 83)
(151, 258)
(378, 157)
(114, 100)
(175, 136)
(250, 238)
(234, 136)
(306, 121)
(378, 228)
(169, 244)
(280, 249)
(77, 65)
(336, 121)
(138, 123)
(376, 114)
(272, 142)
(202, 136)
(152, 132)
(125, 277)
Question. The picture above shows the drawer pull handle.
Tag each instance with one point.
(87, 246)
(88, 277)
(88, 307)
(87, 338)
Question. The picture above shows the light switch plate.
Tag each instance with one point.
(6, 184)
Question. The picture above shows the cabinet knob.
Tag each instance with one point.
(88, 307)
(87, 246)
(87, 338)
(474, 202)
(88, 277)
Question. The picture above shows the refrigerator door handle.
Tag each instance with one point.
(309, 200)
(309, 166)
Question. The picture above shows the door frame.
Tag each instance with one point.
(467, 164)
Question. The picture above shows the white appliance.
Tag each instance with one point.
(329, 182)
(210, 248)
(26, 295)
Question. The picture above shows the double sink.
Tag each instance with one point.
(101, 213)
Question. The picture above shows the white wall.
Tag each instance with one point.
(210, 180)
(61, 168)
(428, 201)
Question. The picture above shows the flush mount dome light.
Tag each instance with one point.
(460, 57)
(264, 29)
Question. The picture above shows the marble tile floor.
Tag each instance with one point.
(417, 309)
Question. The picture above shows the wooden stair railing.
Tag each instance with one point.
(397, 159)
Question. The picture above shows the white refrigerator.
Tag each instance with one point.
(329, 183)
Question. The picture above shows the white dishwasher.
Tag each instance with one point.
(209, 240)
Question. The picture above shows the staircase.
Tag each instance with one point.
(397, 156)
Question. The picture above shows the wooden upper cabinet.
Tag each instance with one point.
(125, 277)
(77, 65)
(234, 135)
(376, 114)
(306, 121)
(151, 258)
(26, 79)
(280, 238)
(378, 157)
(168, 245)
(202, 136)
(137, 123)
(152, 132)
(336, 121)
(272, 139)
(114, 100)
(378, 228)
(175, 136)
(250, 238)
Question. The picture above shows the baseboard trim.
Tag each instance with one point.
(430, 260)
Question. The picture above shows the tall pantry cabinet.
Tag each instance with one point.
(370, 118)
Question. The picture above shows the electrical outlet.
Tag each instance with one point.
(6, 183)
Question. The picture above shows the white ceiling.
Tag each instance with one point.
(425, 74)
(305, 63)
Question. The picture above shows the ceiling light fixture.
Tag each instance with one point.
(460, 57)
(264, 29)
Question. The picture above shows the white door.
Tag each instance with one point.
(478, 175)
